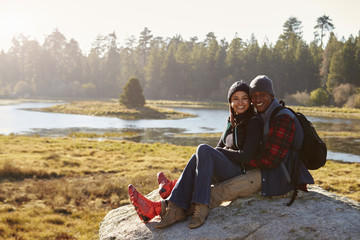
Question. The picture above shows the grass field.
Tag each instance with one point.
(61, 188)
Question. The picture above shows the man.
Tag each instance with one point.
(278, 161)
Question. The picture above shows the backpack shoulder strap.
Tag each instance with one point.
(296, 165)
(276, 111)
(281, 107)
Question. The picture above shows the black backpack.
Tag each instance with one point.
(313, 151)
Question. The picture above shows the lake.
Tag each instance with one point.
(19, 119)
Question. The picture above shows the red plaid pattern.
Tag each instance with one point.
(281, 135)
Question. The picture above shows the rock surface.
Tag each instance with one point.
(314, 215)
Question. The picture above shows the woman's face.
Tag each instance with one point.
(240, 102)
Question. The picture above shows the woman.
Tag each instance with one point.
(192, 190)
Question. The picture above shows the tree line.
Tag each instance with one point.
(174, 68)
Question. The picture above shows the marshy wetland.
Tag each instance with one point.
(59, 182)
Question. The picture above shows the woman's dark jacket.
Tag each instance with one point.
(240, 142)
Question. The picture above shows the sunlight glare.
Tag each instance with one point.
(13, 24)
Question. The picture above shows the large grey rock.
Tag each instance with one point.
(314, 215)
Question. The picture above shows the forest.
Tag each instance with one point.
(312, 73)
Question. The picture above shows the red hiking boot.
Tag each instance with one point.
(165, 185)
(145, 208)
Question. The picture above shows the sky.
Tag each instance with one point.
(84, 20)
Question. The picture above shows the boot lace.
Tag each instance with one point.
(197, 211)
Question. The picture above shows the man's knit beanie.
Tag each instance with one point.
(237, 86)
(262, 84)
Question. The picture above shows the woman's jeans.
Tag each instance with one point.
(194, 184)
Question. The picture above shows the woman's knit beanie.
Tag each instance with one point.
(237, 86)
(262, 84)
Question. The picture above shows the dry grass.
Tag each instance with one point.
(187, 104)
(335, 112)
(340, 178)
(61, 188)
(114, 109)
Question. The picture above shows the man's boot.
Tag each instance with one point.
(165, 185)
(201, 211)
(145, 208)
(173, 214)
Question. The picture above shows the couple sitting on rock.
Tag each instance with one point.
(255, 153)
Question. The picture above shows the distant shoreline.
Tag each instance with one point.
(74, 107)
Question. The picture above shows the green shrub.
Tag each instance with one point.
(319, 97)
(132, 96)
(298, 98)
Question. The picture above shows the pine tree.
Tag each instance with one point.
(324, 24)
(132, 96)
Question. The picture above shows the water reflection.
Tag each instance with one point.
(344, 157)
(349, 145)
(14, 119)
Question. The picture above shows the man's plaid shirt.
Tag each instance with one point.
(281, 135)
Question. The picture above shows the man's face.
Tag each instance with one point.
(261, 100)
